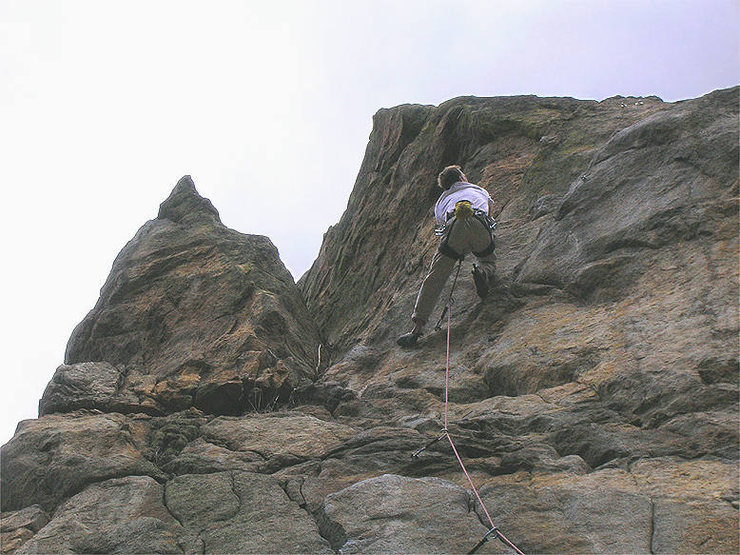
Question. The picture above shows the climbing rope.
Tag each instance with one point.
(494, 530)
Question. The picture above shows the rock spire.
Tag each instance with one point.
(185, 204)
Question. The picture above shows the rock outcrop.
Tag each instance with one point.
(193, 314)
(208, 404)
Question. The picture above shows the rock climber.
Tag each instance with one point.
(463, 215)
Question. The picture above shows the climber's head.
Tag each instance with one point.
(450, 175)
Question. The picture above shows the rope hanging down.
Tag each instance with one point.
(494, 531)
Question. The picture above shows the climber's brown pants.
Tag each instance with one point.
(465, 236)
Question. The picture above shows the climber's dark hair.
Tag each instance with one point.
(450, 175)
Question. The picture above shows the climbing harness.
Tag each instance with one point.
(464, 210)
(494, 530)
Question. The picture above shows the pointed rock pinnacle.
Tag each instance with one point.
(185, 204)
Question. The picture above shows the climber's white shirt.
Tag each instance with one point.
(477, 196)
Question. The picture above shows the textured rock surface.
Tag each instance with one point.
(123, 515)
(17, 527)
(594, 394)
(243, 513)
(192, 314)
(55, 457)
(426, 515)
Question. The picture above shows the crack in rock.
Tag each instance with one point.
(166, 506)
(232, 475)
(331, 531)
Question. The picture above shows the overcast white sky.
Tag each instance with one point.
(104, 105)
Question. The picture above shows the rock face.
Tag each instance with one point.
(192, 314)
(208, 404)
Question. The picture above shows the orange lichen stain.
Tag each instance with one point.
(603, 480)
(602, 372)
(686, 479)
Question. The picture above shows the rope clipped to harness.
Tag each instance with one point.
(494, 530)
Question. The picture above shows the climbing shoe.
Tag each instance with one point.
(481, 282)
(408, 339)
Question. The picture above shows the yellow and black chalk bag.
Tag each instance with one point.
(463, 209)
